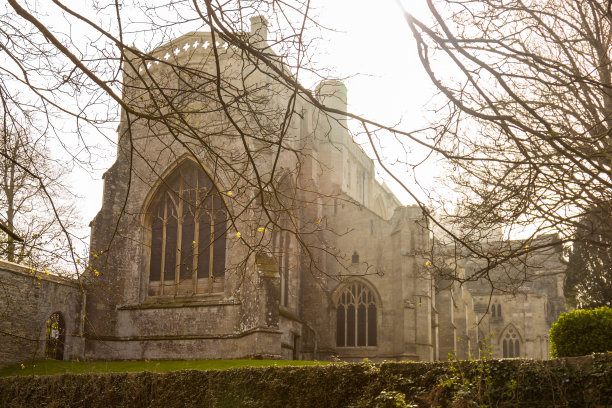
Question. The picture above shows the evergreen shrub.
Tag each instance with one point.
(582, 332)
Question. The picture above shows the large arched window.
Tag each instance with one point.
(188, 228)
(356, 317)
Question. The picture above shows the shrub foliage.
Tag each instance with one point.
(582, 332)
(572, 382)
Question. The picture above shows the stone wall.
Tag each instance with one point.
(389, 262)
(238, 314)
(28, 298)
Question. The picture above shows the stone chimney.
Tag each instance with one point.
(259, 30)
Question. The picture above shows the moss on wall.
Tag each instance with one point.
(572, 382)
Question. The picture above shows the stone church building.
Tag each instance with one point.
(292, 251)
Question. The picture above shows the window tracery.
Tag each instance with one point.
(188, 226)
(511, 345)
(356, 320)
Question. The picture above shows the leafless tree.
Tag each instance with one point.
(527, 116)
(108, 80)
(36, 206)
(528, 100)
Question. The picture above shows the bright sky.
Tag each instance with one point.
(372, 48)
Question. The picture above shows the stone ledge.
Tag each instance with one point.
(185, 337)
(179, 303)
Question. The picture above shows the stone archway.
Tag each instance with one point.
(55, 337)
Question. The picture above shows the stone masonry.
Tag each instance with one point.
(29, 298)
(357, 286)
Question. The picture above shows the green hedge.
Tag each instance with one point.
(582, 332)
(583, 381)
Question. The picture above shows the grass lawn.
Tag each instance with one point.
(50, 367)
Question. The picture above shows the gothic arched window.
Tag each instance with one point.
(356, 317)
(511, 345)
(188, 228)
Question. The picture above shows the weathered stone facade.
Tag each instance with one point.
(524, 317)
(358, 286)
(251, 310)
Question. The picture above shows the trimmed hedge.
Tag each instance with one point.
(583, 381)
(582, 332)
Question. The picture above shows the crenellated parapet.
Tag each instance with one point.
(197, 46)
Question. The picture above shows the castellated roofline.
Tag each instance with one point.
(188, 47)
(183, 48)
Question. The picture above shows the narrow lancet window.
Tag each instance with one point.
(281, 247)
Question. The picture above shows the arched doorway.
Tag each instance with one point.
(56, 337)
